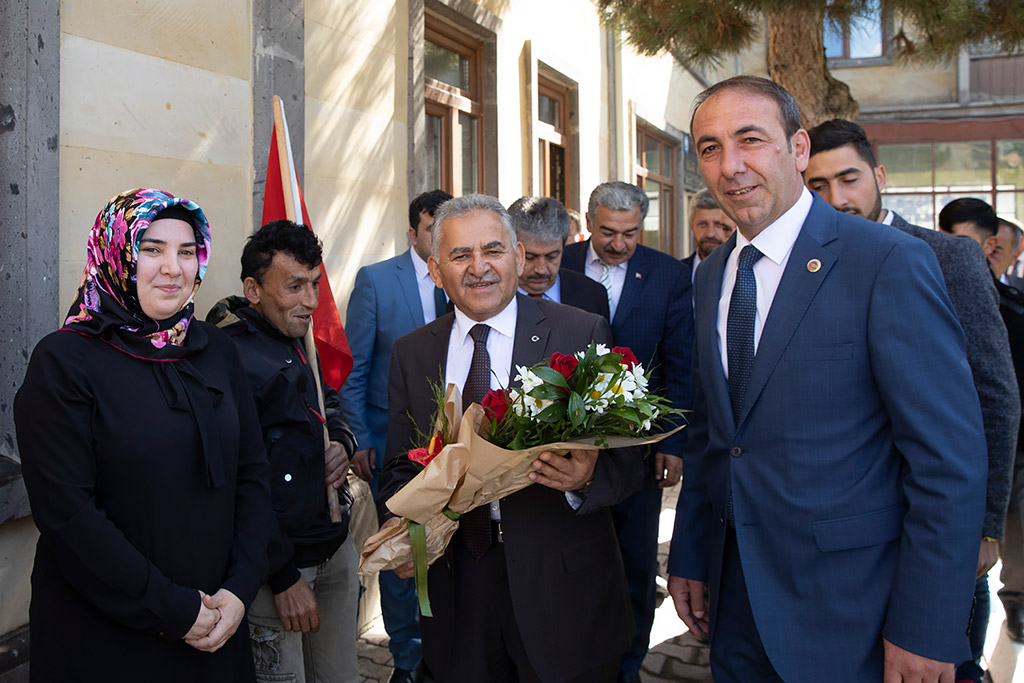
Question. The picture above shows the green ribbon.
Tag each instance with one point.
(452, 515)
(418, 537)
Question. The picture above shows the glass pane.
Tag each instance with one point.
(667, 166)
(434, 178)
(915, 208)
(652, 156)
(548, 110)
(833, 42)
(907, 166)
(470, 154)
(446, 66)
(556, 172)
(866, 33)
(1010, 205)
(1010, 169)
(652, 224)
(963, 166)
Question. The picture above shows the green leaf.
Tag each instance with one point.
(626, 414)
(552, 413)
(546, 392)
(577, 409)
(645, 408)
(611, 363)
(551, 376)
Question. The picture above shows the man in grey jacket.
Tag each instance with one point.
(843, 170)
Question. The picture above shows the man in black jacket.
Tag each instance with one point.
(309, 602)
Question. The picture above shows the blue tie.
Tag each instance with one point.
(739, 330)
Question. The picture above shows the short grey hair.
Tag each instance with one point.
(702, 200)
(1015, 231)
(540, 219)
(461, 206)
(618, 196)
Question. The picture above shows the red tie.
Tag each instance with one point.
(535, 296)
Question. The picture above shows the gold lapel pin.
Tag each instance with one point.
(814, 265)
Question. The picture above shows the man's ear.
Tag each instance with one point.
(435, 272)
(251, 289)
(520, 259)
(989, 246)
(880, 177)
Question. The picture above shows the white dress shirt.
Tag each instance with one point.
(595, 269)
(776, 243)
(887, 220)
(426, 287)
(553, 293)
(697, 260)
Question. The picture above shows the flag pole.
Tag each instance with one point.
(292, 204)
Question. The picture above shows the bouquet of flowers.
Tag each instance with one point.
(594, 399)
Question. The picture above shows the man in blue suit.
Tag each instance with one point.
(649, 294)
(832, 500)
(390, 299)
(710, 227)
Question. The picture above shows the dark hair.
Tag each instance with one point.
(297, 241)
(429, 202)
(969, 210)
(789, 111)
(540, 218)
(838, 132)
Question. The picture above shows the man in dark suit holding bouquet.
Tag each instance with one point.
(532, 587)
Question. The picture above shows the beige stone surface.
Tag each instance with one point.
(345, 70)
(897, 86)
(214, 36)
(17, 547)
(89, 178)
(376, 22)
(125, 101)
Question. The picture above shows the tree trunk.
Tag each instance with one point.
(796, 61)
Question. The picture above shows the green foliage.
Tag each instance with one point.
(704, 31)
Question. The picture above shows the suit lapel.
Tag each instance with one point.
(718, 389)
(532, 332)
(441, 334)
(636, 273)
(795, 293)
(405, 273)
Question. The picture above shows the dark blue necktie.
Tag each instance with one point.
(739, 331)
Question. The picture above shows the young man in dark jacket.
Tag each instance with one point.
(310, 600)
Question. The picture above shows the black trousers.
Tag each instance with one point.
(488, 646)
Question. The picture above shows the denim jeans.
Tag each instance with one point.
(328, 656)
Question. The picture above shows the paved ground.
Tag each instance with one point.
(675, 655)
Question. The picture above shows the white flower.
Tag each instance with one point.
(602, 349)
(517, 405)
(536, 405)
(528, 378)
(646, 426)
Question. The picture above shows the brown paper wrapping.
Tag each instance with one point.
(466, 474)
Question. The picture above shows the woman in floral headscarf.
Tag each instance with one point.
(144, 465)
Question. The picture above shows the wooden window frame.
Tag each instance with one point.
(446, 101)
(667, 209)
(548, 134)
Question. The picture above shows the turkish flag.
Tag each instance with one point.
(329, 333)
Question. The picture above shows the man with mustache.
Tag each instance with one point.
(710, 227)
(649, 296)
(542, 227)
(531, 587)
(842, 169)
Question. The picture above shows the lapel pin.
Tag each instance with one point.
(814, 265)
(638, 276)
(535, 338)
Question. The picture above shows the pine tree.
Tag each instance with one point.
(704, 31)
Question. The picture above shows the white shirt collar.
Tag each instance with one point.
(592, 257)
(776, 241)
(888, 217)
(419, 265)
(504, 322)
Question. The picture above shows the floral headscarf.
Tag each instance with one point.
(107, 304)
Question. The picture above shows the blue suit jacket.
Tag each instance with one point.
(654, 318)
(857, 466)
(385, 305)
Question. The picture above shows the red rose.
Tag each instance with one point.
(628, 359)
(495, 404)
(563, 364)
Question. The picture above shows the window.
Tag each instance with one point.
(656, 175)
(454, 110)
(553, 139)
(864, 38)
(923, 177)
